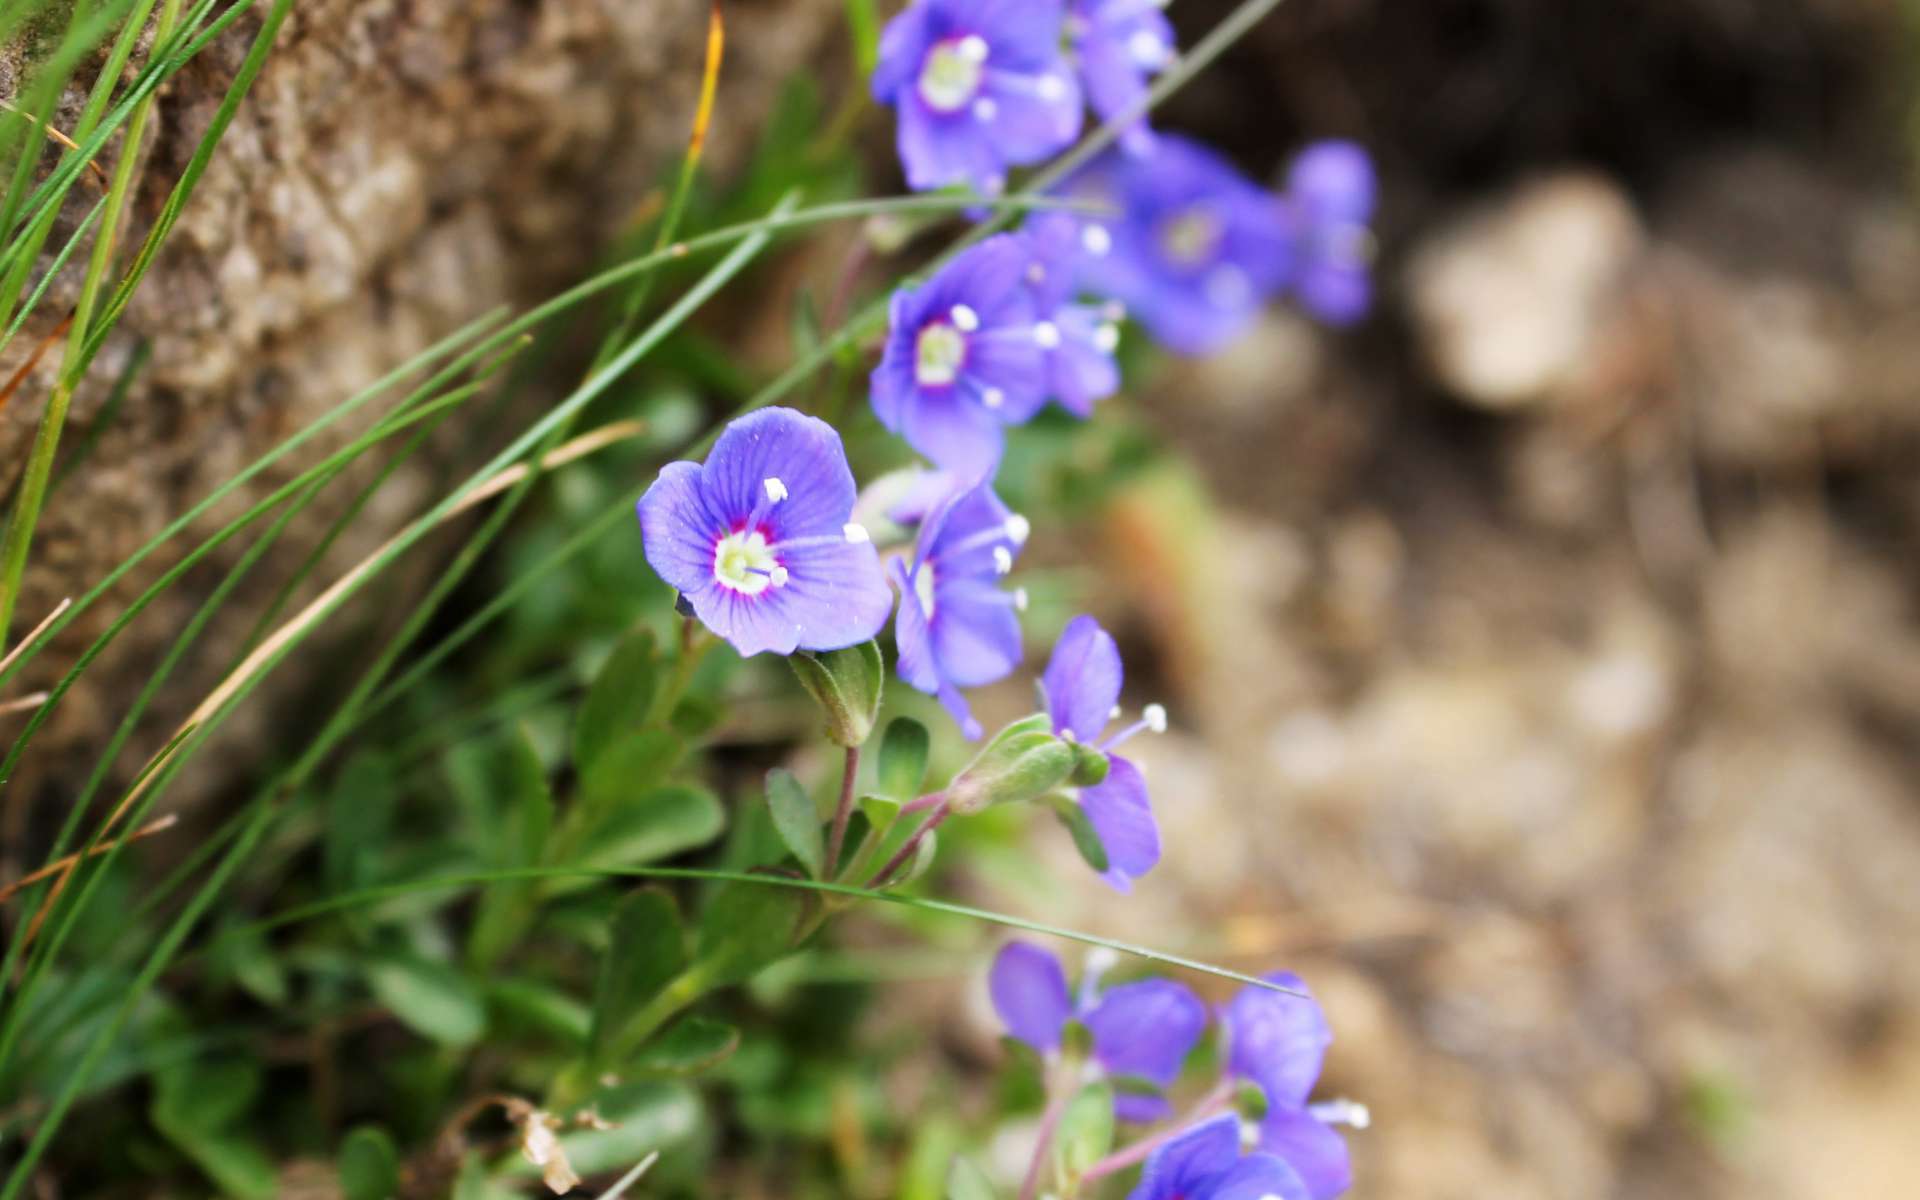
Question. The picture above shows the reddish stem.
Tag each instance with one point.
(1216, 1102)
(841, 815)
(905, 854)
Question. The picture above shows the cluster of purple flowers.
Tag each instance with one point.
(1141, 1033)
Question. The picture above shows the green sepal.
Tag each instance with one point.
(1085, 839)
(847, 683)
(1023, 762)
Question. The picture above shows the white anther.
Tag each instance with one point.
(1155, 715)
(973, 48)
(964, 319)
(1102, 959)
(1047, 334)
(993, 397)
(1097, 240)
(1036, 273)
(1350, 1113)
(1147, 48)
(856, 535)
(1018, 528)
(778, 576)
(1051, 87)
(1113, 714)
(1002, 559)
(1106, 338)
(994, 185)
(984, 109)
(1113, 310)
(776, 491)
(1066, 735)
(1020, 599)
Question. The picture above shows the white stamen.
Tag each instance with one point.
(778, 576)
(973, 48)
(1066, 735)
(1113, 310)
(1102, 959)
(1020, 599)
(993, 397)
(964, 319)
(776, 491)
(1147, 48)
(1050, 88)
(1002, 559)
(1155, 715)
(856, 535)
(1036, 273)
(1106, 338)
(984, 109)
(1047, 334)
(1097, 240)
(995, 184)
(1350, 1113)
(1018, 528)
(1113, 714)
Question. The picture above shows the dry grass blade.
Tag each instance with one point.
(33, 360)
(34, 634)
(631, 1177)
(62, 865)
(23, 703)
(100, 176)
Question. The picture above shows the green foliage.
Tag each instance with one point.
(796, 819)
(847, 684)
(369, 1165)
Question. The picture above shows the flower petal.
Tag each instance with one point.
(1036, 115)
(836, 594)
(954, 432)
(1120, 813)
(677, 530)
(1333, 182)
(803, 452)
(1176, 1170)
(1278, 1041)
(902, 52)
(1259, 1177)
(1336, 293)
(1146, 1028)
(976, 634)
(1030, 993)
(1312, 1148)
(912, 635)
(1082, 679)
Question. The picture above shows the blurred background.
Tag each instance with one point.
(1542, 652)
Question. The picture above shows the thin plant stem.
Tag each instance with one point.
(1216, 1102)
(1059, 1095)
(843, 812)
(911, 846)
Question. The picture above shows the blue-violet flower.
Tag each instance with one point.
(1197, 248)
(1279, 1042)
(1205, 1163)
(1082, 686)
(979, 85)
(1120, 44)
(956, 626)
(757, 538)
(964, 358)
(1141, 1031)
(1079, 364)
(1330, 198)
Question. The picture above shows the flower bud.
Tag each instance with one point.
(1023, 762)
(1089, 765)
(847, 683)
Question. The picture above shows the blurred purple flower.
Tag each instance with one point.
(1205, 1163)
(956, 627)
(1141, 1031)
(1079, 365)
(1197, 247)
(1120, 45)
(757, 538)
(979, 85)
(964, 358)
(1330, 199)
(1082, 686)
(1279, 1042)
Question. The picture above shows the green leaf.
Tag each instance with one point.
(847, 684)
(539, 1008)
(359, 817)
(743, 929)
(507, 909)
(648, 949)
(966, 1181)
(903, 759)
(204, 1096)
(1085, 839)
(693, 1045)
(429, 997)
(797, 819)
(1085, 1135)
(619, 700)
(629, 766)
(238, 1166)
(655, 825)
(369, 1165)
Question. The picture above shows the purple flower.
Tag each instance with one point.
(1141, 1031)
(1082, 684)
(1205, 1163)
(1279, 1042)
(1079, 364)
(1330, 197)
(1197, 248)
(757, 538)
(965, 357)
(957, 628)
(1120, 44)
(980, 85)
